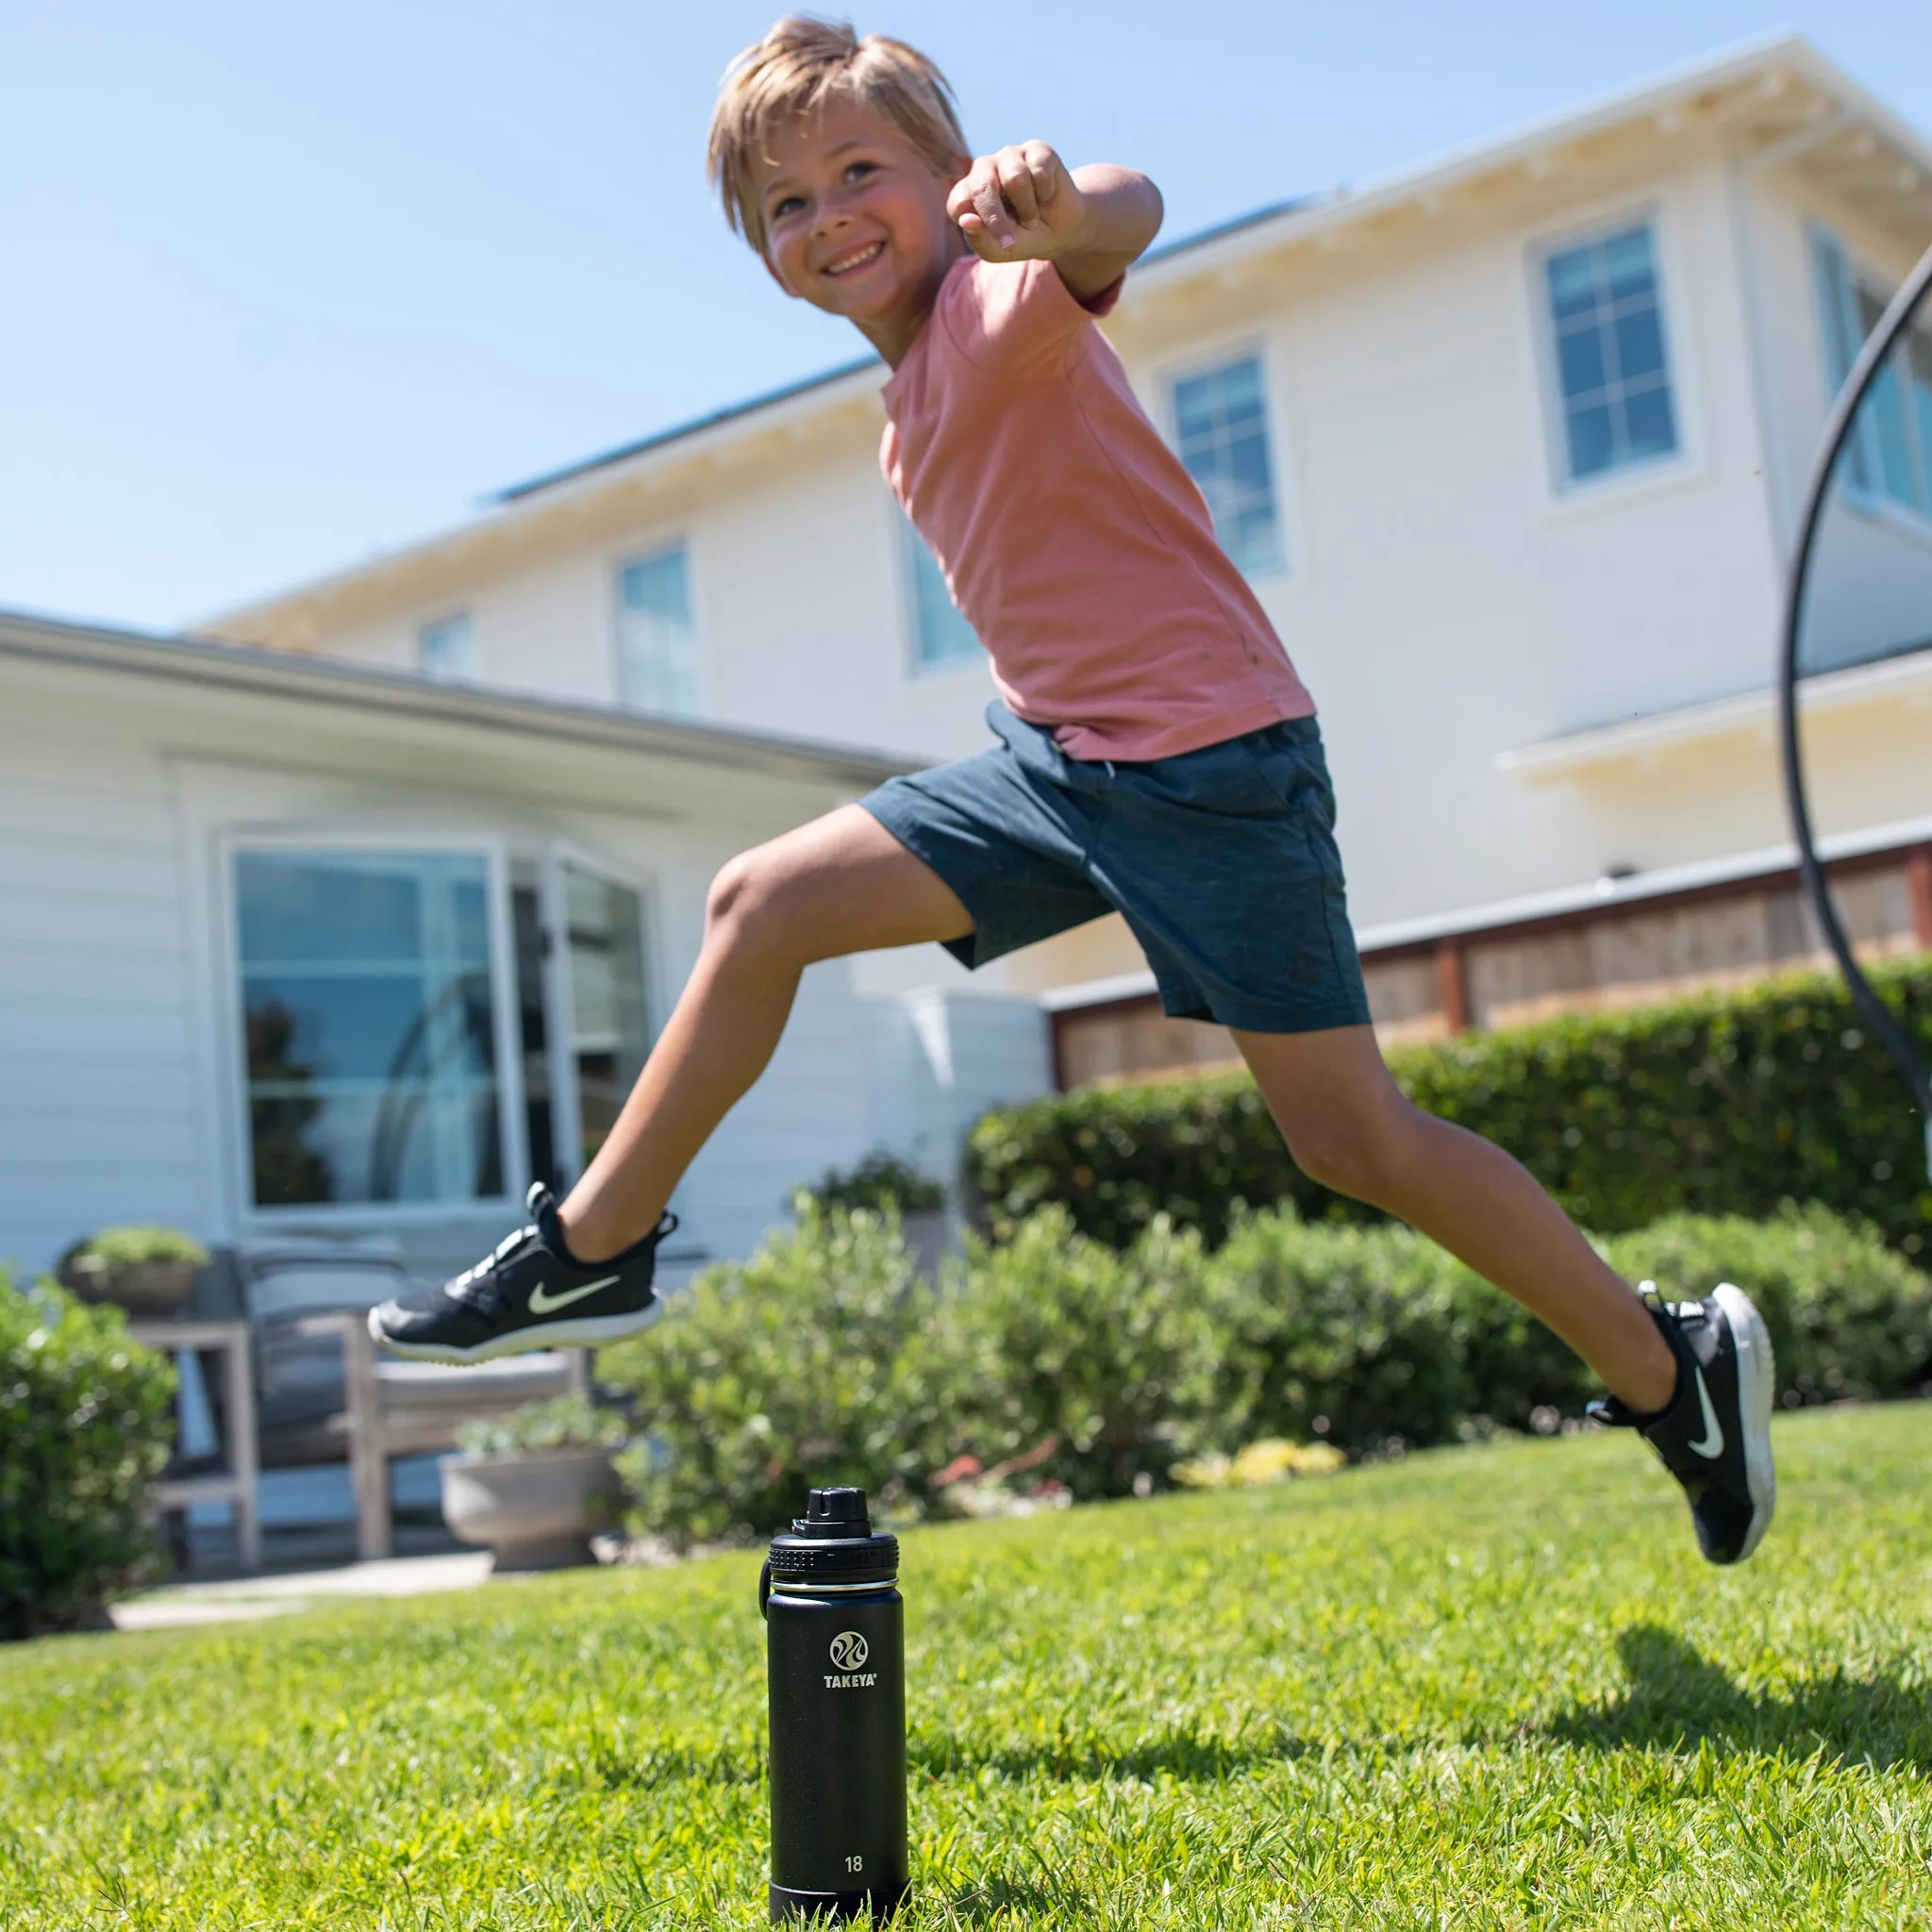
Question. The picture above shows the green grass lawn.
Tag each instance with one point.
(1490, 1687)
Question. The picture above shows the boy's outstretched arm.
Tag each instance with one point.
(1024, 203)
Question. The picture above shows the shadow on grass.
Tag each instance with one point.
(993, 1902)
(1179, 1753)
(1182, 1754)
(616, 1768)
(999, 1901)
(1679, 1701)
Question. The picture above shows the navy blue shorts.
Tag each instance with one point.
(1221, 860)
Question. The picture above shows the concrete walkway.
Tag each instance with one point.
(243, 1598)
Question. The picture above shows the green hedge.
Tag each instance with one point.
(825, 1359)
(769, 1376)
(1719, 1105)
(86, 1423)
(1055, 1338)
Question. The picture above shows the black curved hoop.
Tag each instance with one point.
(1878, 348)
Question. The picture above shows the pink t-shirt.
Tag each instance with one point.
(1074, 541)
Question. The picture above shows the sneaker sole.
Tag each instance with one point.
(592, 1331)
(1757, 1388)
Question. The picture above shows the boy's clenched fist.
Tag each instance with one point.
(1019, 205)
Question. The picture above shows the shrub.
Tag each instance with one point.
(1358, 1335)
(1368, 1338)
(561, 1422)
(1053, 1362)
(1848, 1315)
(882, 1182)
(86, 1423)
(1070, 1357)
(774, 1374)
(1719, 1104)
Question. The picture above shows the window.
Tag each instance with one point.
(584, 1017)
(1612, 360)
(1890, 452)
(656, 645)
(1221, 428)
(609, 1035)
(446, 650)
(368, 1019)
(939, 634)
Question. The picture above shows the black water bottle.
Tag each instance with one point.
(835, 1654)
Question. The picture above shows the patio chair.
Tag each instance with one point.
(323, 1393)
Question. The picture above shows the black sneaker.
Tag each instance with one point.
(528, 1294)
(1715, 1435)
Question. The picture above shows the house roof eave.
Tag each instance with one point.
(34, 638)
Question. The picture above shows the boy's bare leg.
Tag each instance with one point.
(841, 884)
(1350, 1127)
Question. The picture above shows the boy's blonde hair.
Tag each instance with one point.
(806, 64)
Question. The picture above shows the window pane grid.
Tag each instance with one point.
(1893, 443)
(1613, 369)
(610, 1026)
(1220, 423)
(656, 642)
(369, 1027)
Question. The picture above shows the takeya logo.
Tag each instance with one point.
(850, 1650)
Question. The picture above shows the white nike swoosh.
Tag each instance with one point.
(544, 1302)
(1713, 1443)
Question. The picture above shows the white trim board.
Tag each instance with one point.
(1908, 675)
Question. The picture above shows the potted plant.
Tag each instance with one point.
(536, 1486)
(146, 1271)
(886, 1184)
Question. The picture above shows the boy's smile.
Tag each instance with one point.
(856, 222)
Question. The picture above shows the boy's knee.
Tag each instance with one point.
(1348, 1151)
(744, 894)
(749, 898)
(730, 891)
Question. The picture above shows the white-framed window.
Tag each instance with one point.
(447, 649)
(940, 636)
(1220, 435)
(1609, 357)
(368, 1007)
(1890, 457)
(657, 669)
(583, 993)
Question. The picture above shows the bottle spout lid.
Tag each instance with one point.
(833, 1514)
(834, 1544)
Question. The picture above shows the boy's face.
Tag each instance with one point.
(855, 217)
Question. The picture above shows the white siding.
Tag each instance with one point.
(97, 1116)
(119, 1084)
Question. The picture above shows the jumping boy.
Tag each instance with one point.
(1157, 756)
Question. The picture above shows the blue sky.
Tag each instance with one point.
(287, 286)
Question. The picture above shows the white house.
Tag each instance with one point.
(1510, 444)
(289, 945)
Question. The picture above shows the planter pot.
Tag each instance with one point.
(147, 1287)
(537, 1512)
